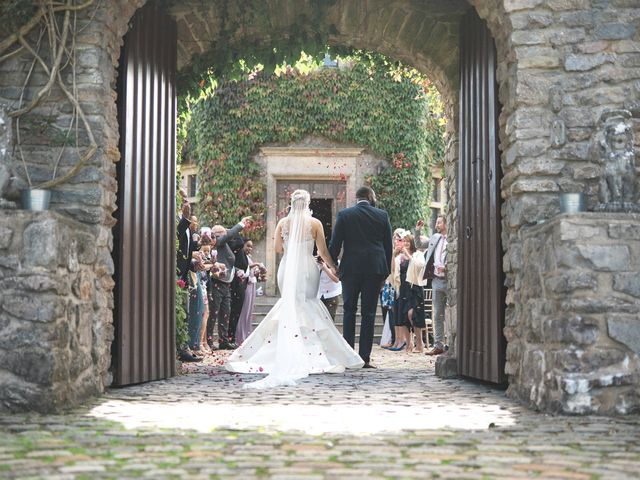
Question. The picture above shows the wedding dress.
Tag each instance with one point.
(297, 337)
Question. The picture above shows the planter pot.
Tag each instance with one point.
(36, 199)
(571, 202)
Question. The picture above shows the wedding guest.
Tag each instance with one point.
(238, 285)
(329, 289)
(389, 290)
(219, 286)
(243, 330)
(403, 323)
(394, 278)
(185, 230)
(416, 313)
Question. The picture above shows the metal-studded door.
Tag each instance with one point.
(144, 237)
(481, 291)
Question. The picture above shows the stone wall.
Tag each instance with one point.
(576, 343)
(55, 312)
(561, 63)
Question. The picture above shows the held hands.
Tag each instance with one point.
(246, 221)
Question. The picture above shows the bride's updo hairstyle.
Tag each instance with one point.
(300, 200)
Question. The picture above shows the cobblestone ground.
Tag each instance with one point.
(399, 421)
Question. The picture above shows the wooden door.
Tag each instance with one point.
(144, 237)
(480, 289)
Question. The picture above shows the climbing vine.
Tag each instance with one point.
(390, 109)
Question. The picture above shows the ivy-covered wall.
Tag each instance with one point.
(394, 112)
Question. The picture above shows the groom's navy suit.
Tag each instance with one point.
(364, 232)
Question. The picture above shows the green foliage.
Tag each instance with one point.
(182, 333)
(388, 108)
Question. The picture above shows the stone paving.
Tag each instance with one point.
(399, 421)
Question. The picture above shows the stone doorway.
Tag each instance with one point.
(327, 199)
(322, 209)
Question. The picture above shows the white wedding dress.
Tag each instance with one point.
(297, 337)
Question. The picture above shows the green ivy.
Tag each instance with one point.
(388, 108)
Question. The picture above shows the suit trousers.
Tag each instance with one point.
(439, 287)
(367, 288)
(238, 289)
(219, 309)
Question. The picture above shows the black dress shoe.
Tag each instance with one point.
(189, 357)
(368, 365)
(228, 346)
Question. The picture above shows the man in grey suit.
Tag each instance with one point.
(436, 270)
(219, 286)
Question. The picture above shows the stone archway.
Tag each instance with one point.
(559, 62)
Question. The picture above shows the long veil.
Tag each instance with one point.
(291, 361)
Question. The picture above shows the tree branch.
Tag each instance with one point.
(27, 27)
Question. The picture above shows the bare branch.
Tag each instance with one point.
(52, 77)
(27, 27)
(11, 54)
(91, 150)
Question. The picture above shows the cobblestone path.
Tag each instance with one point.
(399, 421)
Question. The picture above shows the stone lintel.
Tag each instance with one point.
(310, 152)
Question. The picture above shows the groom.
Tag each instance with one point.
(364, 232)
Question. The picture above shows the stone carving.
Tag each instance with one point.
(616, 155)
(10, 185)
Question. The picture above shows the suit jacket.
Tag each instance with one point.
(429, 254)
(185, 249)
(225, 254)
(364, 232)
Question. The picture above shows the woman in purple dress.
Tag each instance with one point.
(244, 322)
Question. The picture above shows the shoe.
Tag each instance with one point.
(227, 346)
(189, 357)
(397, 349)
(435, 351)
(368, 365)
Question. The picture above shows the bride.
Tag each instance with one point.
(297, 337)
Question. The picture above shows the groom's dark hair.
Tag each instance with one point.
(365, 193)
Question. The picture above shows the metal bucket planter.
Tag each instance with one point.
(571, 202)
(36, 199)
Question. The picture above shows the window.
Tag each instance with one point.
(437, 190)
(192, 185)
(434, 216)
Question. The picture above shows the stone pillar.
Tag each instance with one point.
(447, 364)
(576, 343)
(55, 317)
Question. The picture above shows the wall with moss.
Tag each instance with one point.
(391, 112)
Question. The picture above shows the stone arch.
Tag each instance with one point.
(560, 61)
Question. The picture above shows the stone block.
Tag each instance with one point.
(446, 366)
(39, 244)
(515, 5)
(6, 234)
(568, 282)
(607, 258)
(41, 282)
(627, 282)
(626, 330)
(560, 5)
(575, 330)
(33, 365)
(601, 304)
(534, 185)
(36, 308)
(582, 63)
(613, 31)
(625, 231)
(569, 230)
